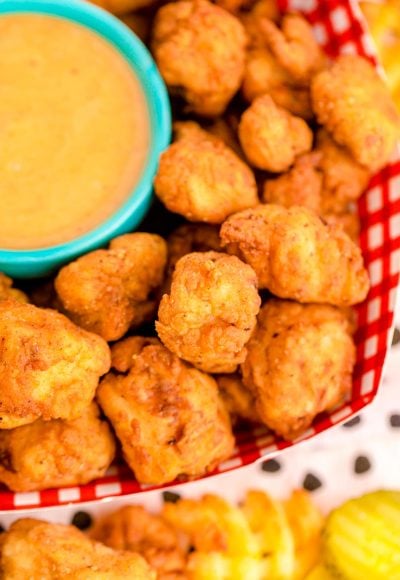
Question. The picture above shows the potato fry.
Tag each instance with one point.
(269, 523)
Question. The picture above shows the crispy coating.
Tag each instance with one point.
(264, 75)
(299, 363)
(252, 19)
(296, 255)
(124, 351)
(7, 292)
(353, 103)
(42, 551)
(348, 221)
(294, 46)
(200, 51)
(107, 291)
(238, 400)
(56, 453)
(222, 128)
(344, 180)
(49, 368)
(271, 137)
(121, 7)
(168, 417)
(202, 179)
(133, 528)
(301, 185)
(210, 312)
(325, 181)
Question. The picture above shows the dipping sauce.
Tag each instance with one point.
(74, 130)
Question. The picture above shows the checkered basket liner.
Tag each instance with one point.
(339, 28)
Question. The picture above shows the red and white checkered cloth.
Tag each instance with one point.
(339, 28)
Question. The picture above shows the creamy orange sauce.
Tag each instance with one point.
(74, 130)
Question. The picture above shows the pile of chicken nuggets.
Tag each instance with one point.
(192, 539)
(248, 300)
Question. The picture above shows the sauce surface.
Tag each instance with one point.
(74, 131)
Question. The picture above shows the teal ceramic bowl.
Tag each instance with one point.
(36, 263)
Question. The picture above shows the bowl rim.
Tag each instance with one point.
(139, 59)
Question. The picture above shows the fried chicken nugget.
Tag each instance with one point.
(7, 292)
(210, 312)
(202, 179)
(49, 368)
(107, 291)
(264, 75)
(238, 400)
(296, 255)
(133, 528)
(200, 51)
(353, 103)
(42, 551)
(344, 180)
(271, 137)
(56, 453)
(167, 415)
(326, 180)
(294, 46)
(348, 221)
(301, 185)
(299, 363)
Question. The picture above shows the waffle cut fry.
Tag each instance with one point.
(383, 18)
(263, 539)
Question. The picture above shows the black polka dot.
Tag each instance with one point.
(394, 420)
(311, 482)
(352, 422)
(362, 464)
(82, 520)
(270, 466)
(171, 496)
(396, 337)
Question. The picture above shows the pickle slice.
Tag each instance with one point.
(361, 540)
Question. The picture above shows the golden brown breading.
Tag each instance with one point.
(120, 7)
(252, 18)
(210, 312)
(344, 180)
(7, 292)
(202, 179)
(325, 180)
(222, 128)
(56, 453)
(49, 368)
(133, 528)
(354, 105)
(168, 416)
(348, 221)
(107, 291)
(124, 351)
(299, 363)
(200, 50)
(298, 256)
(301, 185)
(237, 398)
(263, 74)
(294, 46)
(42, 551)
(271, 137)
